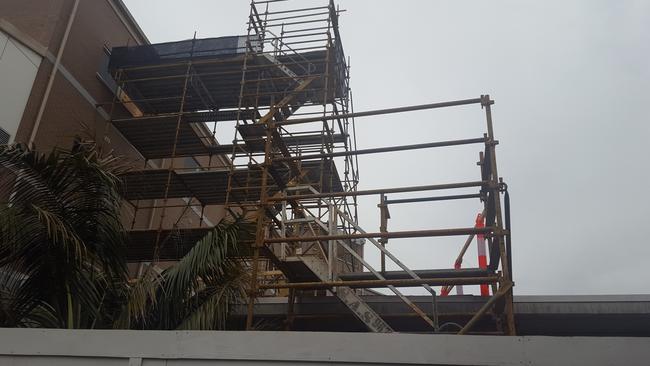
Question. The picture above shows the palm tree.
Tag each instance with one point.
(61, 238)
(195, 293)
(62, 247)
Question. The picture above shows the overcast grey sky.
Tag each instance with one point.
(570, 80)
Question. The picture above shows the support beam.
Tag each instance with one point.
(386, 149)
(430, 199)
(383, 111)
(388, 235)
(409, 282)
(502, 291)
(368, 192)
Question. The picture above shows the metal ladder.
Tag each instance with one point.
(320, 266)
(348, 296)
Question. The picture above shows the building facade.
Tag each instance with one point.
(55, 86)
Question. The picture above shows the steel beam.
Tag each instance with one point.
(378, 150)
(383, 111)
(389, 235)
(409, 282)
(433, 187)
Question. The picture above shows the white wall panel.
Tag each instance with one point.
(18, 67)
(195, 348)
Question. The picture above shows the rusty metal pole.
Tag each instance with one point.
(383, 111)
(290, 309)
(332, 256)
(384, 215)
(503, 291)
(170, 169)
(481, 163)
(499, 234)
(370, 192)
(260, 232)
(407, 282)
(391, 235)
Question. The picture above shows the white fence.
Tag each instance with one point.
(147, 348)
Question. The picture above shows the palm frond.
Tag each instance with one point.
(59, 232)
(61, 237)
(139, 300)
(62, 251)
(212, 309)
(198, 289)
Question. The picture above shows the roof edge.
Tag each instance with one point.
(127, 18)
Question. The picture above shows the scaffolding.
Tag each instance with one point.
(292, 165)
